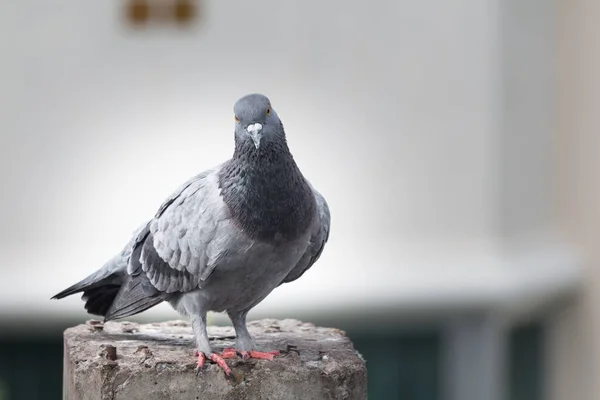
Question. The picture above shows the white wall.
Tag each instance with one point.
(398, 111)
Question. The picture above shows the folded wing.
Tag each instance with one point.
(317, 241)
(178, 249)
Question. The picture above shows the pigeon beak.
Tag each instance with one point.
(254, 130)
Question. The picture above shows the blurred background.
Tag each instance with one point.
(456, 142)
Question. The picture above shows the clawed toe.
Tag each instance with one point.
(269, 355)
(217, 359)
(259, 355)
(221, 363)
(200, 362)
(229, 353)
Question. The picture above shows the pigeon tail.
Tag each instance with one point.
(135, 295)
(116, 296)
(99, 290)
(98, 300)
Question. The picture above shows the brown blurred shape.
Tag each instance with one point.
(179, 12)
(138, 11)
(185, 11)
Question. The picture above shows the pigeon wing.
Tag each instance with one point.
(317, 241)
(183, 243)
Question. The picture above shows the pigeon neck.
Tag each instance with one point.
(266, 193)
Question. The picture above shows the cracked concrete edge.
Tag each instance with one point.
(155, 361)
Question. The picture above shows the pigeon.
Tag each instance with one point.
(222, 241)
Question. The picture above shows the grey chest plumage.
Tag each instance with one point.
(267, 196)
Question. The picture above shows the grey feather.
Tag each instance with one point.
(186, 248)
(101, 288)
(317, 241)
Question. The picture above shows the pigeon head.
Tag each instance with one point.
(256, 122)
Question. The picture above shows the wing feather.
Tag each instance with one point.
(179, 248)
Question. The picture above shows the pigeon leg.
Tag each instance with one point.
(244, 343)
(204, 351)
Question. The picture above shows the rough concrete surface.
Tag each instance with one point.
(128, 361)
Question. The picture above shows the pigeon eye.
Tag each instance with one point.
(268, 110)
(236, 119)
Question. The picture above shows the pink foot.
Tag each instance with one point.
(229, 353)
(214, 358)
(201, 360)
(260, 355)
